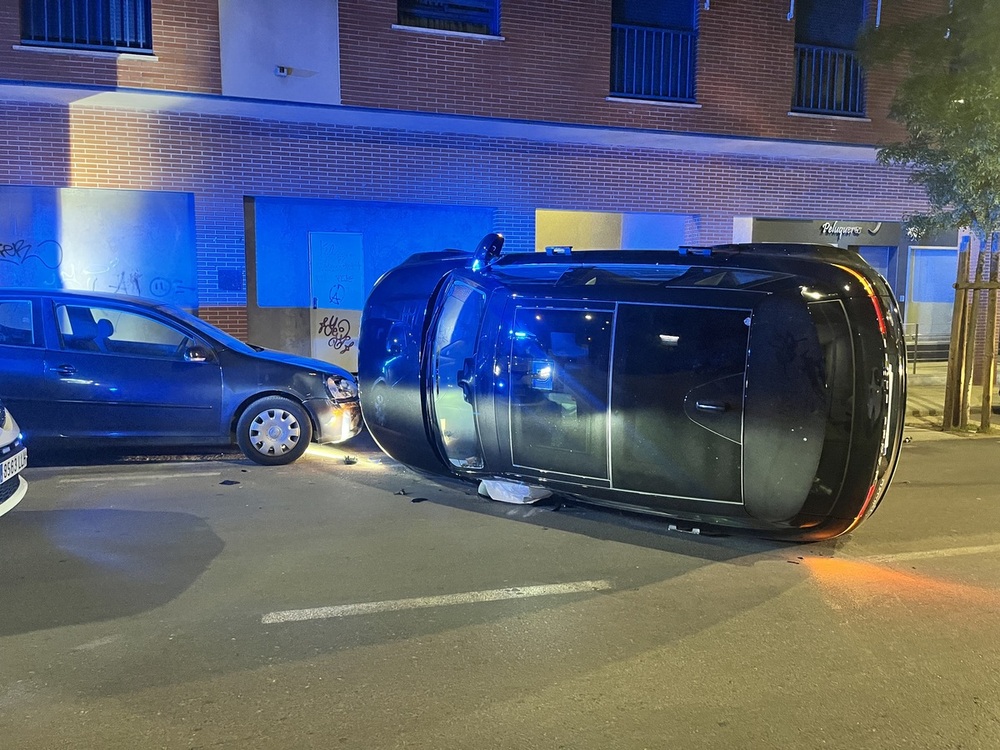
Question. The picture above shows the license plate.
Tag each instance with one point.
(14, 465)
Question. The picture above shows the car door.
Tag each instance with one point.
(677, 395)
(120, 372)
(558, 367)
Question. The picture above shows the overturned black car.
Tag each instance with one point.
(759, 386)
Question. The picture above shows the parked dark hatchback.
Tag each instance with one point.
(97, 369)
(758, 386)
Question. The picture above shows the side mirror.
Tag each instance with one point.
(487, 251)
(196, 354)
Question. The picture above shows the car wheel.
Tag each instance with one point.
(274, 430)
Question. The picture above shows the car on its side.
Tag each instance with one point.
(88, 369)
(757, 386)
(13, 460)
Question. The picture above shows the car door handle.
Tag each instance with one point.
(711, 406)
(63, 370)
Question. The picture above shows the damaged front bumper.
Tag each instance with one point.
(336, 421)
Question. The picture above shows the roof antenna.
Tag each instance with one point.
(487, 251)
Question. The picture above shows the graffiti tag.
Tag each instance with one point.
(338, 331)
(21, 251)
(127, 283)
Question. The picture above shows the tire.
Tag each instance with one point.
(273, 431)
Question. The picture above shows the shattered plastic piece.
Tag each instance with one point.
(681, 529)
(512, 492)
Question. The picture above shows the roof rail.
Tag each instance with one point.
(694, 250)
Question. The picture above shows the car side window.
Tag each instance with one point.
(114, 331)
(16, 327)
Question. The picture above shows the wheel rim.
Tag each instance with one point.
(275, 432)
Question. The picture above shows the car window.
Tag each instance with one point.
(559, 369)
(114, 331)
(15, 323)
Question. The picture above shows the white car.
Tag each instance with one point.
(13, 460)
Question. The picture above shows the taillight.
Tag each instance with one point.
(870, 291)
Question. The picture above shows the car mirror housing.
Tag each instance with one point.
(488, 251)
(197, 354)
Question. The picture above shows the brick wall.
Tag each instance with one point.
(232, 320)
(185, 45)
(554, 65)
(220, 160)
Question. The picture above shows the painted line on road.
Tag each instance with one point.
(934, 553)
(133, 477)
(471, 597)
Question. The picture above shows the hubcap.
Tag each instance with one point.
(274, 432)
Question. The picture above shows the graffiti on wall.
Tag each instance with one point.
(119, 241)
(337, 332)
(334, 336)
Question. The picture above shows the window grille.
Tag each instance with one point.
(113, 25)
(468, 16)
(653, 63)
(828, 81)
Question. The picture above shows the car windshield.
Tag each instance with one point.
(453, 360)
(220, 336)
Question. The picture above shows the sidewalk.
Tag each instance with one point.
(925, 394)
(925, 385)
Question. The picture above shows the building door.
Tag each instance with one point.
(336, 278)
(930, 297)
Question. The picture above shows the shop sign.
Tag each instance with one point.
(846, 230)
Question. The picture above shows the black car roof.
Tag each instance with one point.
(760, 267)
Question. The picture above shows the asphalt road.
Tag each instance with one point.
(206, 602)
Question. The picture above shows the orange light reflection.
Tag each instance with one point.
(859, 580)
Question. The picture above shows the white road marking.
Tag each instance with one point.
(106, 641)
(471, 597)
(134, 477)
(934, 553)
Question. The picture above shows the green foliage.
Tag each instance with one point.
(949, 103)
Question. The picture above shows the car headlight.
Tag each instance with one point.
(341, 388)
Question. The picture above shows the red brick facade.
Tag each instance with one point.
(551, 67)
(186, 47)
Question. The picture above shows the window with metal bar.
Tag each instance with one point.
(654, 49)
(829, 78)
(467, 16)
(107, 25)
